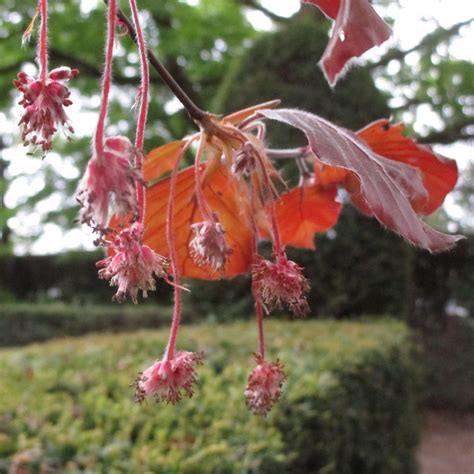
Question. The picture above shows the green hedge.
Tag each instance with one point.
(28, 322)
(348, 406)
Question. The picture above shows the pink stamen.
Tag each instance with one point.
(209, 247)
(169, 379)
(264, 385)
(44, 103)
(280, 282)
(112, 180)
(133, 266)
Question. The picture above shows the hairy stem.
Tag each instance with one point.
(288, 153)
(261, 336)
(43, 40)
(277, 247)
(170, 348)
(202, 204)
(142, 116)
(109, 49)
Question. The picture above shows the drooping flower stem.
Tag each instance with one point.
(195, 112)
(109, 49)
(202, 204)
(43, 41)
(173, 258)
(290, 153)
(142, 116)
(261, 336)
(277, 246)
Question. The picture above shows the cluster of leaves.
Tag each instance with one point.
(349, 407)
(369, 165)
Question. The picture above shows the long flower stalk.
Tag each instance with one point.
(142, 115)
(173, 259)
(109, 51)
(43, 41)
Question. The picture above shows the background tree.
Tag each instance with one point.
(207, 47)
(424, 77)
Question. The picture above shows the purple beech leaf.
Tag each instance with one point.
(357, 29)
(385, 185)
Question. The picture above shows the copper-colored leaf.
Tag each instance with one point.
(329, 176)
(387, 187)
(161, 160)
(241, 115)
(222, 198)
(357, 29)
(440, 174)
(303, 211)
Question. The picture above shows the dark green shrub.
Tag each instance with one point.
(348, 405)
(69, 277)
(28, 322)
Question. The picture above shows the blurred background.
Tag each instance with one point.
(229, 54)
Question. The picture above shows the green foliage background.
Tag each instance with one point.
(200, 44)
(349, 403)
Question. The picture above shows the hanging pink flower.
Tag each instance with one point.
(244, 160)
(168, 380)
(44, 102)
(264, 386)
(110, 177)
(280, 282)
(133, 266)
(209, 247)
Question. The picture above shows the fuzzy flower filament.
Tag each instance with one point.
(264, 386)
(169, 379)
(280, 282)
(209, 247)
(111, 179)
(133, 266)
(44, 102)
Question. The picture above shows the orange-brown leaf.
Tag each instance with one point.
(161, 160)
(327, 176)
(241, 115)
(221, 197)
(303, 211)
(439, 173)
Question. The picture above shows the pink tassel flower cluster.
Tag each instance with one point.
(112, 178)
(244, 160)
(208, 247)
(168, 380)
(280, 282)
(44, 103)
(44, 99)
(264, 386)
(133, 266)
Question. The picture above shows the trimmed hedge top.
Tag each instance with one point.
(348, 405)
